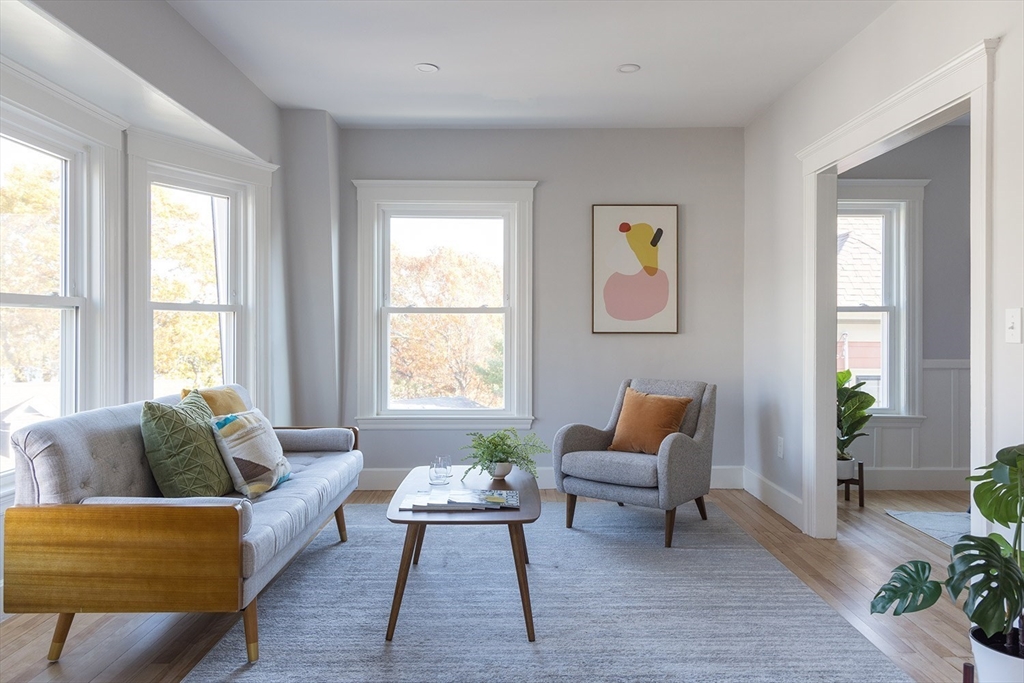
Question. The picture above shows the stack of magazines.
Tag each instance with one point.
(460, 500)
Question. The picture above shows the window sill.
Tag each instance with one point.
(439, 422)
(892, 420)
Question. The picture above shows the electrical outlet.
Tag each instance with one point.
(778, 448)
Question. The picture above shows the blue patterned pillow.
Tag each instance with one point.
(251, 452)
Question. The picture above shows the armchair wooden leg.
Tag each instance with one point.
(670, 525)
(570, 509)
(339, 517)
(700, 507)
(60, 635)
(252, 634)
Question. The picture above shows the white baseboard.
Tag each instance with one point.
(778, 499)
(389, 478)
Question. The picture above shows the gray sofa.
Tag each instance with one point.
(90, 531)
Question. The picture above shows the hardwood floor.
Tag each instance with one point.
(930, 646)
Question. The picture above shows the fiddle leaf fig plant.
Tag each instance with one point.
(987, 568)
(851, 413)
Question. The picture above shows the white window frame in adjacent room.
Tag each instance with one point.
(902, 204)
(377, 200)
(154, 159)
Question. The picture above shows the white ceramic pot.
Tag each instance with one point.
(994, 666)
(499, 470)
(846, 469)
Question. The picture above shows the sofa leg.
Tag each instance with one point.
(252, 632)
(670, 525)
(60, 635)
(700, 507)
(622, 505)
(570, 509)
(339, 517)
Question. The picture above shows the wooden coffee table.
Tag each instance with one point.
(416, 526)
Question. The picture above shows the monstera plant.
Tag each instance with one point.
(986, 568)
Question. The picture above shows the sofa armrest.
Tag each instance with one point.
(317, 439)
(122, 558)
(191, 501)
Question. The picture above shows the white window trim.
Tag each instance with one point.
(153, 157)
(374, 199)
(38, 112)
(906, 250)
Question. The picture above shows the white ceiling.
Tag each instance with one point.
(529, 63)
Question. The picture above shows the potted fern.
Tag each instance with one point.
(496, 453)
(851, 415)
(987, 568)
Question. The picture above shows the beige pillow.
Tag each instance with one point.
(223, 401)
(645, 421)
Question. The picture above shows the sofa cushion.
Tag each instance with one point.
(251, 452)
(222, 400)
(181, 449)
(279, 515)
(646, 419)
(612, 467)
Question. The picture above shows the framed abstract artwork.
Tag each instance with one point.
(636, 268)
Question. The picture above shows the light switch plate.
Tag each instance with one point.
(778, 448)
(1013, 316)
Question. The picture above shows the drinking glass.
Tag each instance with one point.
(446, 462)
(437, 474)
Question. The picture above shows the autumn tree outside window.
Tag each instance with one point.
(445, 304)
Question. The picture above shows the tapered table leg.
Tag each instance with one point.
(412, 532)
(519, 554)
(419, 543)
(511, 535)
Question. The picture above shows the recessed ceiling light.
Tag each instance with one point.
(428, 68)
(627, 68)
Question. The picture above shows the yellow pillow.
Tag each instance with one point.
(645, 421)
(224, 401)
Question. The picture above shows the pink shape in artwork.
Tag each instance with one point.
(636, 297)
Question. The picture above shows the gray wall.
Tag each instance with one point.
(943, 157)
(576, 373)
(312, 191)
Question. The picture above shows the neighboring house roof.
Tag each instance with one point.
(859, 261)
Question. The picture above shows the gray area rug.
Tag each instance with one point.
(610, 603)
(944, 526)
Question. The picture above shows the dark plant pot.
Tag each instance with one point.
(993, 663)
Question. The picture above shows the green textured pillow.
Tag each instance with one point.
(181, 449)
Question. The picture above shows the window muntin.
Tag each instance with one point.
(192, 288)
(39, 276)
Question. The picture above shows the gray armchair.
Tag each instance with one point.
(680, 472)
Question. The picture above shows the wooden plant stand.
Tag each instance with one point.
(858, 482)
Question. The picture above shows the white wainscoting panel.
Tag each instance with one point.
(926, 452)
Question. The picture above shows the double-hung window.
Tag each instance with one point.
(197, 279)
(41, 278)
(877, 304)
(444, 304)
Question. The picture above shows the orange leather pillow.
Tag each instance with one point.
(645, 421)
(224, 401)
